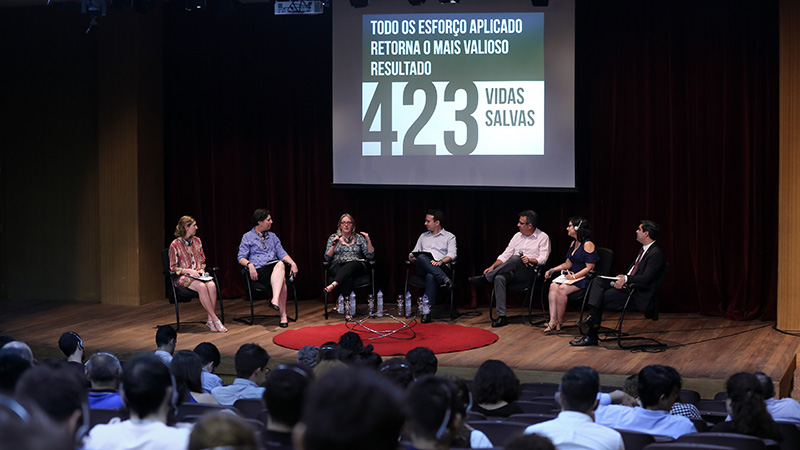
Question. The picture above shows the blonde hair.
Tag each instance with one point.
(180, 229)
(339, 224)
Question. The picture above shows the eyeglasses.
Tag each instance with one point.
(522, 223)
(347, 223)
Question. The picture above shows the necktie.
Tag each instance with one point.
(638, 258)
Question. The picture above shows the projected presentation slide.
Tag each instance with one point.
(457, 98)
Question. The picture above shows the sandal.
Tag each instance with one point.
(549, 328)
(211, 327)
(220, 327)
(329, 288)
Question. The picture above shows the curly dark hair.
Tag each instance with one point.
(495, 381)
(748, 410)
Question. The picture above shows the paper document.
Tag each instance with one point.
(562, 279)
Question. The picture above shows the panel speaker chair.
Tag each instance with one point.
(644, 342)
(605, 257)
(256, 290)
(524, 287)
(412, 279)
(180, 294)
(363, 281)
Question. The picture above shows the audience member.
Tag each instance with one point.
(210, 359)
(149, 393)
(27, 428)
(659, 387)
(223, 431)
(496, 389)
(19, 348)
(678, 409)
(468, 437)
(327, 365)
(71, 345)
(574, 428)
(104, 372)
(57, 391)
(350, 409)
(250, 363)
(328, 350)
(166, 339)
(5, 339)
(434, 415)
(397, 371)
(284, 396)
(186, 368)
(747, 409)
(12, 366)
(422, 361)
(783, 410)
(529, 442)
(308, 356)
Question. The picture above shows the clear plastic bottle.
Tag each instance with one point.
(380, 303)
(340, 304)
(400, 305)
(426, 305)
(408, 304)
(352, 302)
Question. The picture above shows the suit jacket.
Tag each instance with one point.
(646, 276)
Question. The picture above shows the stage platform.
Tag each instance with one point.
(705, 350)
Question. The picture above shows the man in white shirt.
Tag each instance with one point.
(250, 363)
(783, 410)
(166, 340)
(434, 268)
(659, 388)
(574, 428)
(527, 250)
(150, 394)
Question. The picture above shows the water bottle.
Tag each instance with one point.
(426, 305)
(370, 305)
(340, 304)
(408, 304)
(352, 303)
(400, 305)
(380, 303)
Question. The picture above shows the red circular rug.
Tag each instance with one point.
(439, 337)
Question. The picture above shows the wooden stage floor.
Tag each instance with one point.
(705, 350)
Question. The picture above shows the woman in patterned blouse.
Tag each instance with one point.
(346, 251)
(186, 258)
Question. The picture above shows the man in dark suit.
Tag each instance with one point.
(643, 273)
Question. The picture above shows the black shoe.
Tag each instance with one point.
(284, 324)
(587, 324)
(585, 341)
(274, 306)
(426, 318)
(478, 280)
(448, 284)
(500, 322)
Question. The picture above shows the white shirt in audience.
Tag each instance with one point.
(643, 420)
(138, 435)
(573, 430)
(784, 410)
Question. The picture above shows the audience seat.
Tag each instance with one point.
(189, 412)
(249, 408)
(718, 406)
(537, 408)
(472, 415)
(635, 440)
(736, 441)
(544, 389)
(689, 396)
(790, 434)
(100, 415)
(686, 446)
(530, 418)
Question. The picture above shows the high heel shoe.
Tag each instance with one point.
(220, 327)
(329, 288)
(558, 326)
(211, 327)
(549, 328)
